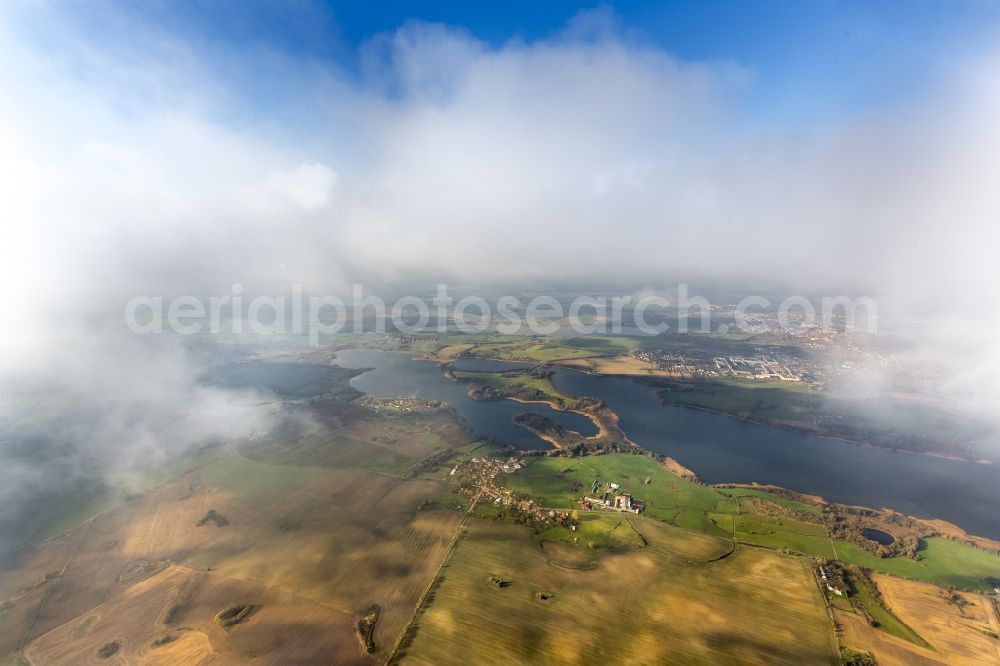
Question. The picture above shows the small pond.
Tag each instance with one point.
(878, 536)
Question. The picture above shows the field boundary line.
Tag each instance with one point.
(430, 586)
(38, 610)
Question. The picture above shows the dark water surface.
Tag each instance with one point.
(878, 536)
(397, 375)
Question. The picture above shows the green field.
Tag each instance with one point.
(519, 385)
(561, 348)
(775, 532)
(943, 562)
(668, 498)
(598, 531)
(666, 495)
(671, 499)
(772, 497)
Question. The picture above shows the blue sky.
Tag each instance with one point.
(812, 60)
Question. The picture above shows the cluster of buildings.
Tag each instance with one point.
(526, 508)
(673, 363)
(484, 471)
(754, 368)
(746, 367)
(828, 581)
(613, 497)
(379, 405)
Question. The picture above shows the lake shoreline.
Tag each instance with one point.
(783, 426)
(602, 431)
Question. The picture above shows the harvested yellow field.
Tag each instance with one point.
(117, 549)
(169, 618)
(189, 648)
(616, 365)
(348, 541)
(889, 650)
(166, 522)
(343, 541)
(966, 632)
(650, 605)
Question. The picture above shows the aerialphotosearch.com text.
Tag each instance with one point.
(319, 317)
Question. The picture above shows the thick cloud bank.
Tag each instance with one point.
(585, 153)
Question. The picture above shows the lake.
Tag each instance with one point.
(720, 449)
(398, 375)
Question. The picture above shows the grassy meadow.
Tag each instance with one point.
(520, 385)
(942, 561)
(887, 622)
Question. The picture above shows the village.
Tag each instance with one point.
(483, 477)
(395, 405)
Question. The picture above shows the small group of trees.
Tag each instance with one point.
(847, 522)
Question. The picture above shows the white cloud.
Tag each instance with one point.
(309, 186)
